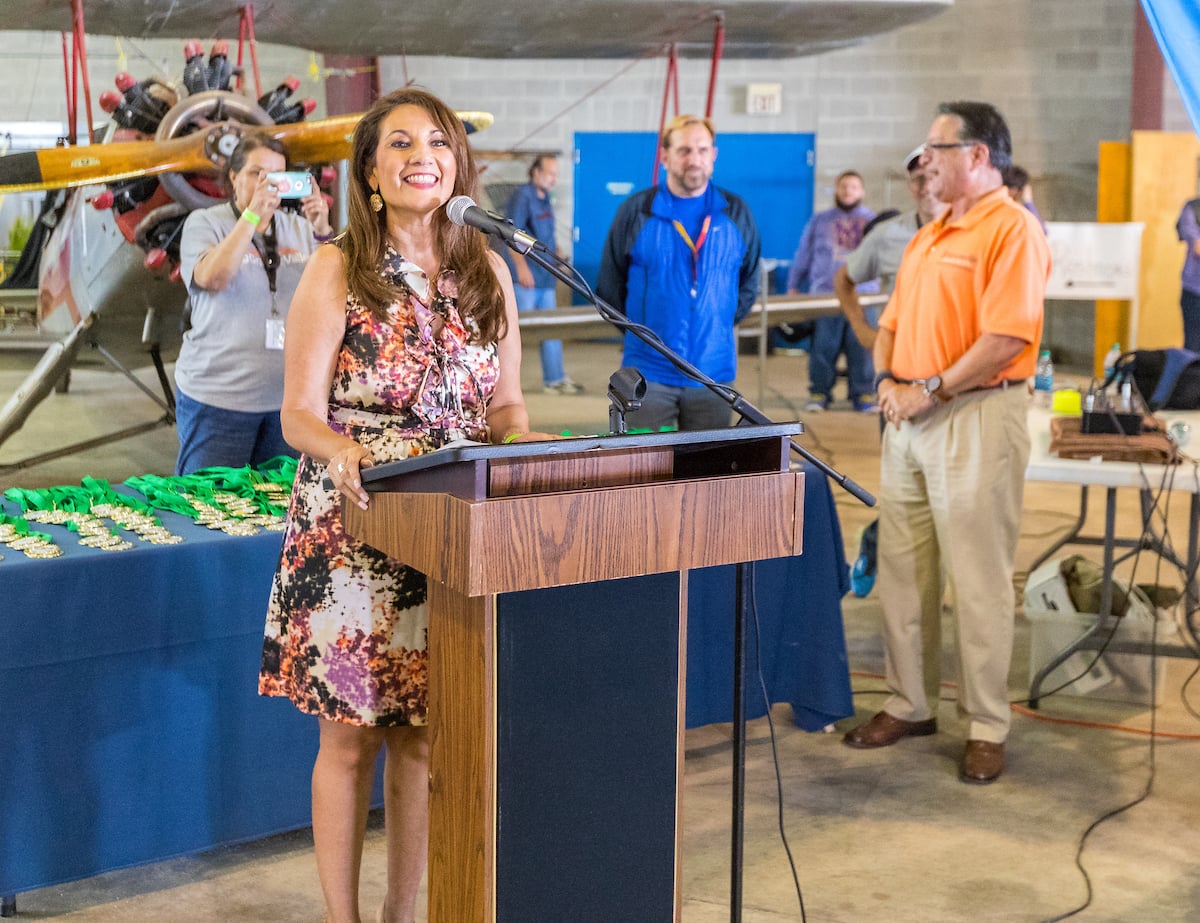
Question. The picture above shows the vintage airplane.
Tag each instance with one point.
(93, 288)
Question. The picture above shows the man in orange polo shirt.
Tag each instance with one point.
(956, 344)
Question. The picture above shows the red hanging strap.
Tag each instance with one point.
(672, 86)
(246, 37)
(718, 48)
(68, 62)
(80, 40)
(672, 83)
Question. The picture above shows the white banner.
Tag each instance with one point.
(1094, 260)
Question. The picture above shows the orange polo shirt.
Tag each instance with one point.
(983, 273)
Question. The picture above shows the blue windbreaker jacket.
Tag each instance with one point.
(646, 273)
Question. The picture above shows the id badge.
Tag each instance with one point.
(274, 333)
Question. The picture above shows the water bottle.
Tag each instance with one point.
(1110, 359)
(1043, 382)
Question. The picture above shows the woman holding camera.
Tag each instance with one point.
(241, 261)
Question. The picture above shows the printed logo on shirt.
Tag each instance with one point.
(286, 255)
(961, 260)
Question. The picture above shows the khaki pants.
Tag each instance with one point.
(952, 483)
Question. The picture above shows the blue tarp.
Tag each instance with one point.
(1176, 25)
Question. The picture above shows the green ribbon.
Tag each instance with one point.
(22, 527)
(205, 484)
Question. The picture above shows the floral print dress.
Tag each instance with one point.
(347, 626)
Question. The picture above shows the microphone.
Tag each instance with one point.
(463, 211)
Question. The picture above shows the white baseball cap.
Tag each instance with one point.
(914, 157)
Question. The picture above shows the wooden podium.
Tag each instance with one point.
(557, 643)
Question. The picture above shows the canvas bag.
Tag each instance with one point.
(1167, 379)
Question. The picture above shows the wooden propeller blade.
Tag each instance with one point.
(316, 142)
(67, 167)
(330, 139)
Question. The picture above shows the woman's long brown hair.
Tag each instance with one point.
(462, 248)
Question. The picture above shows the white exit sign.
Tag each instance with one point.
(764, 98)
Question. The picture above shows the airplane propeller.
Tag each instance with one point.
(205, 150)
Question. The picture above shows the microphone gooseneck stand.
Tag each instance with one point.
(548, 260)
(746, 410)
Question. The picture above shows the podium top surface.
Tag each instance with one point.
(381, 477)
(499, 519)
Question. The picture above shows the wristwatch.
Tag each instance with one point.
(885, 375)
(933, 388)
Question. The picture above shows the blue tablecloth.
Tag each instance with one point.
(131, 726)
(798, 603)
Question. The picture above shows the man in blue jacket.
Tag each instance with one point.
(682, 258)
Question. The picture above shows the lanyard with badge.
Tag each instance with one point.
(268, 252)
(694, 247)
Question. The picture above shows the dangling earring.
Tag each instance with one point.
(376, 201)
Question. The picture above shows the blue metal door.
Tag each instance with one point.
(772, 172)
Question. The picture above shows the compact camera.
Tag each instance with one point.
(294, 184)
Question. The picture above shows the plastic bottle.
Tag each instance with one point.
(1110, 359)
(1043, 382)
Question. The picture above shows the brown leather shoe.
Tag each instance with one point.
(983, 762)
(883, 730)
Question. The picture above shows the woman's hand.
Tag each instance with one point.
(316, 209)
(529, 437)
(345, 471)
(264, 201)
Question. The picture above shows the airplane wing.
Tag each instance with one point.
(511, 28)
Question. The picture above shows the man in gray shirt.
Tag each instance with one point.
(878, 257)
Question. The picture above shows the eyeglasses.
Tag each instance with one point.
(949, 145)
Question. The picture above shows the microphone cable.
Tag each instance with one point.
(762, 685)
(1162, 498)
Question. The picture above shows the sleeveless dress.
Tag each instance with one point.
(347, 626)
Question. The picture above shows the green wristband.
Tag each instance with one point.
(250, 218)
(512, 437)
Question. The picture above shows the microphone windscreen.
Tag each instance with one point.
(456, 209)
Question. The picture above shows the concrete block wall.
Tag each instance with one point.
(1059, 70)
(33, 87)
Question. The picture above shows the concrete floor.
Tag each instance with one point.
(886, 835)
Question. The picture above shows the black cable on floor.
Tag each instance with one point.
(1183, 692)
(1168, 481)
(762, 684)
(1128, 805)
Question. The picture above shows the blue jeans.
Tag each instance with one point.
(543, 299)
(1190, 303)
(211, 436)
(685, 408)
(832, 336)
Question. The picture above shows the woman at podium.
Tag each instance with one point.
(402, 337)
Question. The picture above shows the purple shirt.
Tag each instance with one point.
(830, 237)
(1189, 232)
